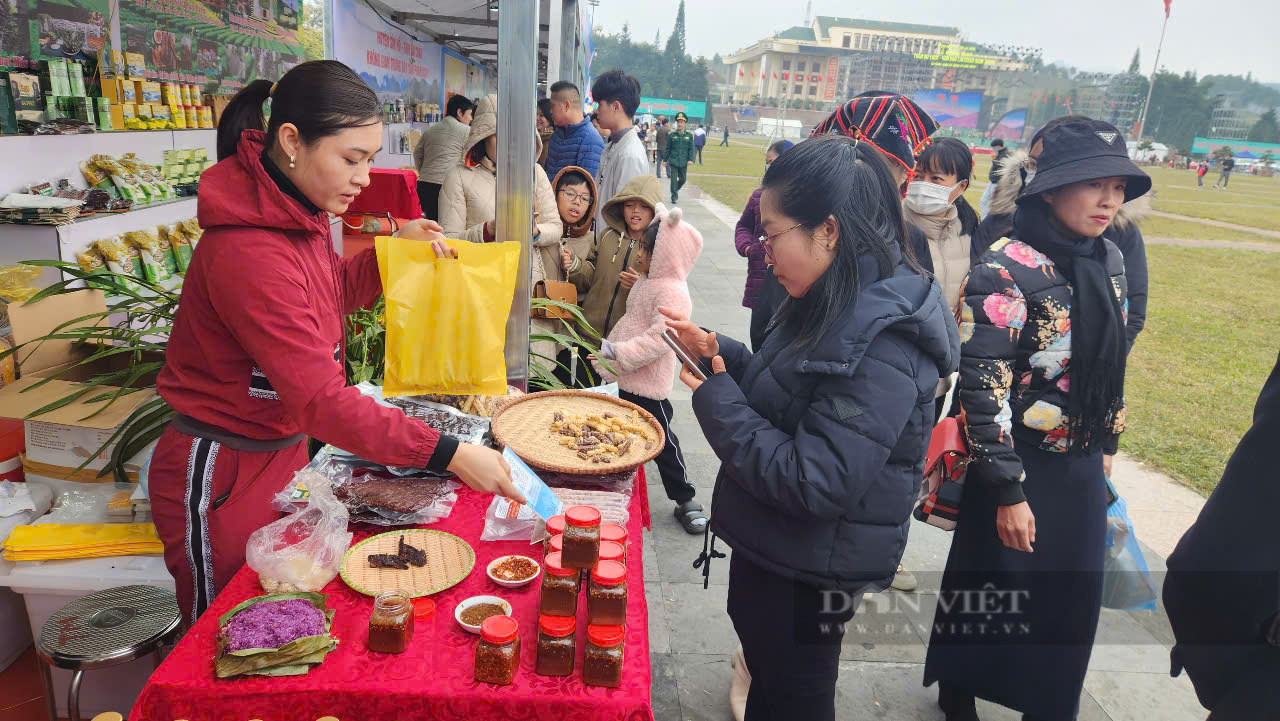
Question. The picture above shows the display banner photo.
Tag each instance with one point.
(957, 110)
(1011, 126)
(405, 73)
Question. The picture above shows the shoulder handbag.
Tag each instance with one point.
(942, 488)
(556, 290)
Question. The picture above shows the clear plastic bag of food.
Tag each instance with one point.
(302, 551)
(383, 499)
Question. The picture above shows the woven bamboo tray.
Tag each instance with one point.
(449, 560)
(524, 424)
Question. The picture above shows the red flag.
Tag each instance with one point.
(775, 76)
(1167, 3)
(741, 74)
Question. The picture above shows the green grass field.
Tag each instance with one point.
(1195, 371)
(1210, 334)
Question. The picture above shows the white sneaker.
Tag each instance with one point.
(903, 580)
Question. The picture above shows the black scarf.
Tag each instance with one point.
(1098, 346)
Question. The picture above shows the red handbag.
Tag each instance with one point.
(938, 502)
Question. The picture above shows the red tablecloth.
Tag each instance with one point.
(390, 191)
(434, 677)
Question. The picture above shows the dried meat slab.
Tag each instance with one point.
(415, 556)
(397, 495)
(388, 560)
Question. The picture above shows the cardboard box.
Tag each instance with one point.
(136, 66)
(113, 89)
(117, 116)
(150, 93)
(127, 111)
(59, 441)
(143, 110)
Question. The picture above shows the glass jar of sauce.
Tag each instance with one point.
(607, 595)
(602, 662)
(498, 652)
(555, 526)
(581, 538)
(556, 645)
(391, 623)
(559, 588)
(614, 532)
(613, 551)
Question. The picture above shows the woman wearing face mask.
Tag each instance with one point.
(822, 433)
(253, 363)
(1042, 386)
(936, 205)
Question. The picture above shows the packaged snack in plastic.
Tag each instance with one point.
(91, 261)
(121, 260)
(303, 551)
(148, 245)
(163, 233)
(181, 246)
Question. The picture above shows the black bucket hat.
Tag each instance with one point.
(1085, 150)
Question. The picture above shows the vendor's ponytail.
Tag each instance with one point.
(320, 98)
(243, 113)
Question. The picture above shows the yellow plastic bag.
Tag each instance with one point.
(446, 318)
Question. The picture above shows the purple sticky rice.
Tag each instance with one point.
(272, 624)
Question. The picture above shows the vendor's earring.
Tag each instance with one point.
(291, 165)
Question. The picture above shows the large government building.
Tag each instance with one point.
(832, 59)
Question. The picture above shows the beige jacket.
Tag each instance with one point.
(439, 150)
(469, 199)
(949, 251)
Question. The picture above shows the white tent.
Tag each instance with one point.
(1157, 151)
(780, 128)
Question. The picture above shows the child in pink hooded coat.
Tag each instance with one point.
(634, 348)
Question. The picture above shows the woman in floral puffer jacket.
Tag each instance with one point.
(1043, 346)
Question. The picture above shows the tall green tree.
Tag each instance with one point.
(311, 32)
(624, 37)
(1181, 108)
(1135, 65)
(1265, 130)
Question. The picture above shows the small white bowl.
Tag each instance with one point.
(468, 603)
(512, 584)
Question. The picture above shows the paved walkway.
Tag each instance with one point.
(881, 667)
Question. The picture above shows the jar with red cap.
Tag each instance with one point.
(555, 526)
(556, 645)
(607, 595)
(612, 551)
(602, 662)
(498, 652)
(559, 588)
(581, 537)
(614, 532)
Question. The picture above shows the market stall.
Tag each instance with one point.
(435, 674)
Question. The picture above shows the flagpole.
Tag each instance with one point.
(1142, 119)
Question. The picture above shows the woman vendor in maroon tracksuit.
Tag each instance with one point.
(253, 365)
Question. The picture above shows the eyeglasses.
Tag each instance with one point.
(576, 197)
(767, 242)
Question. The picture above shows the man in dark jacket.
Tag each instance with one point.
(1226, 165)
(575, 140)
(664, 132)
(1222, 591)
(997, 147)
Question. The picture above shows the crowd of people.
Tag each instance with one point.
(880, 302)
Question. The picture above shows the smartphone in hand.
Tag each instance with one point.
(687, 357)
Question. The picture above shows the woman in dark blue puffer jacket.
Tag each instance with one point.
(822, 433)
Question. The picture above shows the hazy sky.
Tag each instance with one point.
(1218, 37)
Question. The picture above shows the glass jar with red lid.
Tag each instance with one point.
(559, 588)
(607, 595)
(555, 526)
(614, 532)
(602, 661)
(498, 652)
(612, 551)
(581, 537)
(556, 645)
